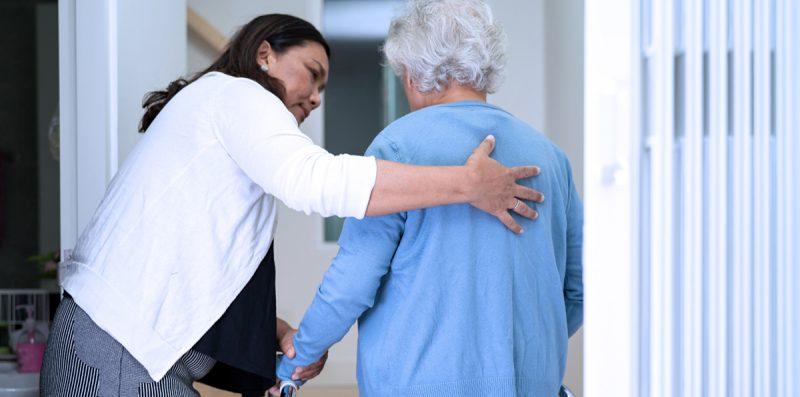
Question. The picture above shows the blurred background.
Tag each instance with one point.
(681, 120)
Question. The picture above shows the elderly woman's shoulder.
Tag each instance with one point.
(402, 136)
(407, 124)
(412, 122)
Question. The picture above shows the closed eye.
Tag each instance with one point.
(316, 75)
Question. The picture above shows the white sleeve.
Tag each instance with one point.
(262, 137)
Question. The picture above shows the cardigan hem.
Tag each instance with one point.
(118, 317)
(503, 386)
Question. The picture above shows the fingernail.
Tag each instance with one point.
(490, 137)
(521, 231)
(538, 170)
(541, 199)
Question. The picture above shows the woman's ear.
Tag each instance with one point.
(264, 54)
(407, 82)
(412, 95)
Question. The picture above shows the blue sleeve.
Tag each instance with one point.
(350, 284)
(573, 282)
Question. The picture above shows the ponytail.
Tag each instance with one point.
(156, 100)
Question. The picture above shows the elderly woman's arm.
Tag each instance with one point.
(573, 282)
(366, 248)
(285, 334)
(348, 289)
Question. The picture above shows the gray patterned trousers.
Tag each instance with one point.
(83, 360)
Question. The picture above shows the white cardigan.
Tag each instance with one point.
(191, 213)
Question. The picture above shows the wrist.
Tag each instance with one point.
(467, 186)
(281, 328)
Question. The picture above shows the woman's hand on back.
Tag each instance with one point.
(494, 187)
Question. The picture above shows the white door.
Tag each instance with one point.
(610, 184)
(692, 147)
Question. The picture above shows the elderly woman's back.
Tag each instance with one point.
(467, 306)
(449, 302)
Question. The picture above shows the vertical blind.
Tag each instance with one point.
(720, 184)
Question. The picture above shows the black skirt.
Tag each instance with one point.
(243, 340)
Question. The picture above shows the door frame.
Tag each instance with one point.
(611, 181)
(87, 36)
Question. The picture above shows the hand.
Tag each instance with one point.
(285, 334)
(495, 189)
(304, 373)
(273, 391)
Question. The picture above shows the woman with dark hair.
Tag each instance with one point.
(174, 273)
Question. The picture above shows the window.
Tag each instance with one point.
(363, 95)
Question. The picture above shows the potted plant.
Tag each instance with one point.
(48, 269)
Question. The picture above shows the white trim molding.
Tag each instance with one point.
(611, 173)
(88, 109)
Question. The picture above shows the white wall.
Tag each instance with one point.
(564, 82)
(523, 93)
(152, 52)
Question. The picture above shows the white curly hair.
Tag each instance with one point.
(442, 41)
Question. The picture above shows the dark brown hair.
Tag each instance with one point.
(239, 59)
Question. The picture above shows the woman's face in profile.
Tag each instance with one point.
(303, 70)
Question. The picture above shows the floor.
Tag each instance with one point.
(308, 391)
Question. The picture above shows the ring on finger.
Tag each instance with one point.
(516, 205)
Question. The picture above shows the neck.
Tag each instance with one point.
(456, 93)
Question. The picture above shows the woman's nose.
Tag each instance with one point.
(315, 99)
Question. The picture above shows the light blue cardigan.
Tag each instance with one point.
(449, 302)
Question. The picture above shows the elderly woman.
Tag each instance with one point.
(448, 304)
